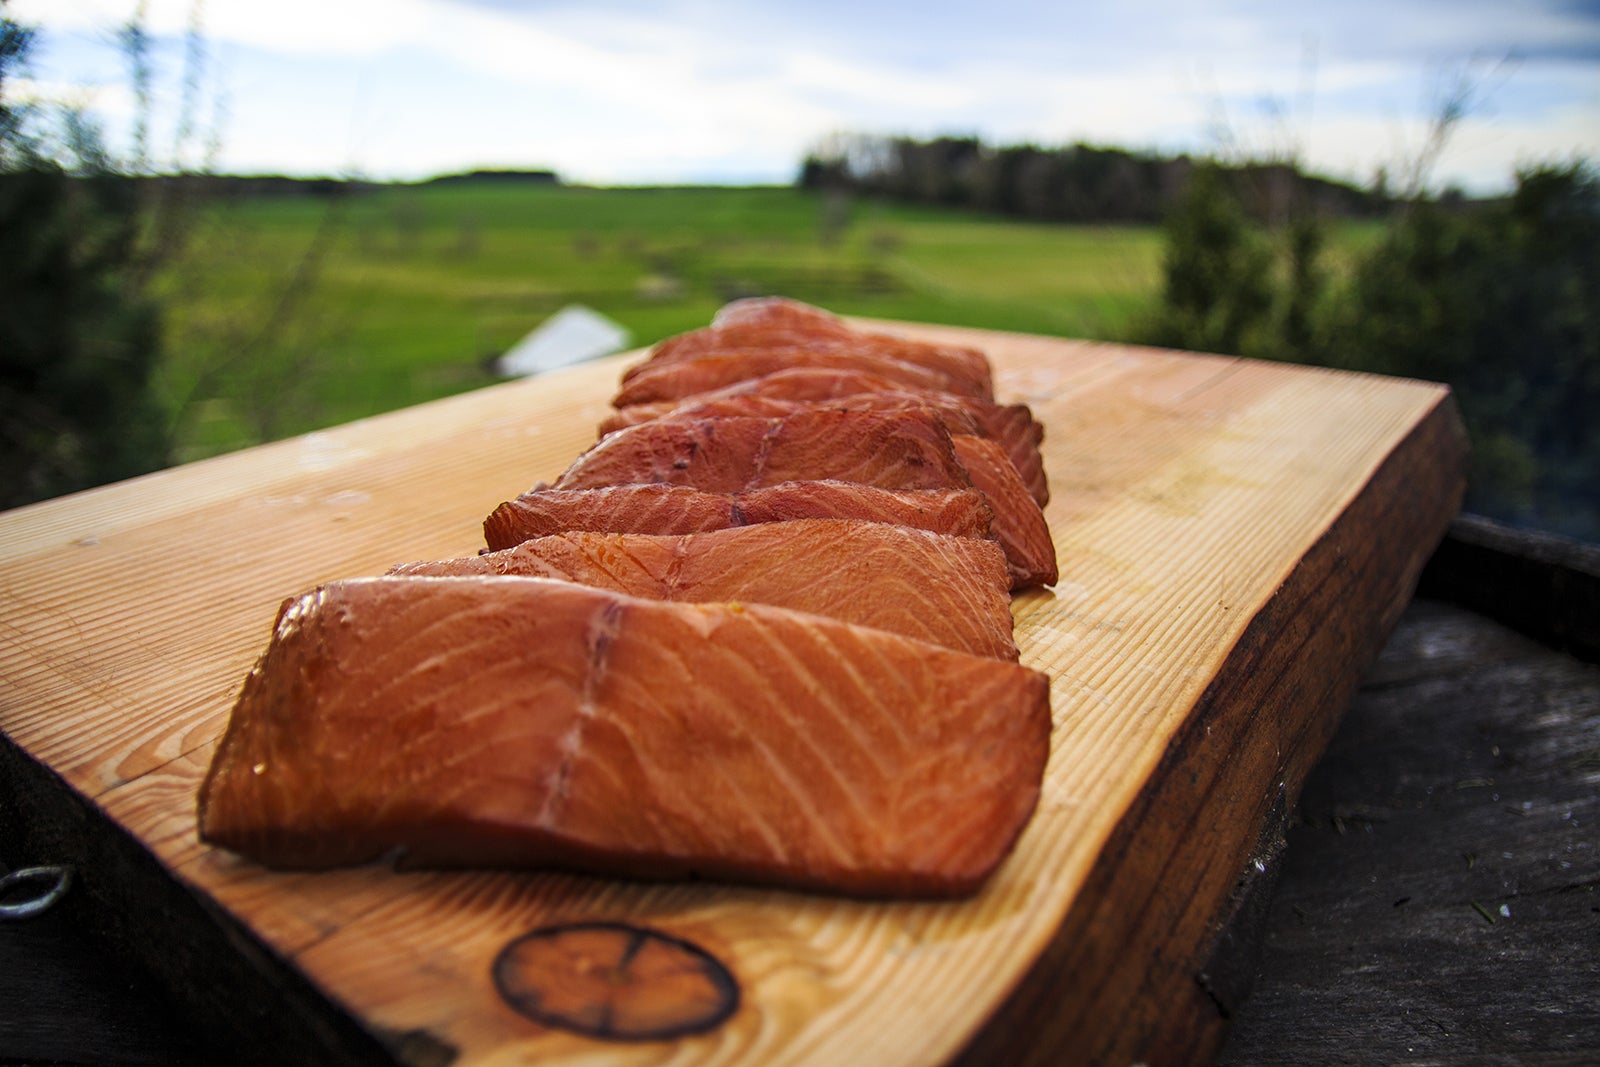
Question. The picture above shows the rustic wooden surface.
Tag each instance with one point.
(1189, 494)
(1540, 584)
(1372, 952)
(1372, 941)
(1440, 895)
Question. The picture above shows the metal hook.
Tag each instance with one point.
(53, 885)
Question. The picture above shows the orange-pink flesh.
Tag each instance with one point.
(949, 591)
(775, 323)
(680, 509)
(676, 379)
(1019, 524)
(531, 723)
(786, 392)
(902, 449)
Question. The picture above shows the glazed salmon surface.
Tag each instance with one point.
(949, 591)
(532, 723)
(681, 509)
(904, 449)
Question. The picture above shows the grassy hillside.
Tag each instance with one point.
(292, 313)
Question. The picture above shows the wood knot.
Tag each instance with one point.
(615, 981)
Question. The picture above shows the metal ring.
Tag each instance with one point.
(58, 879)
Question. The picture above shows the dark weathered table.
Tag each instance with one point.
(1436, 902)
(1438, 898)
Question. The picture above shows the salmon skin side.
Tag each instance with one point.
(521, 722)
(903, 449)
(949, 591)
(682, 509)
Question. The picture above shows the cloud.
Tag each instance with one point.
(631, 91)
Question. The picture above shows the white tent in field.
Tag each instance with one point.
(571, 335)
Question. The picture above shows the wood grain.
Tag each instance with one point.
(1465, 776)
(1235, 539)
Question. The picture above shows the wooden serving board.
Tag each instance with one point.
(1235, 539)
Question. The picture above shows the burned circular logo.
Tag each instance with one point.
(615, 981)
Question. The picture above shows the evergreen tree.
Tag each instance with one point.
(1502, 303)
(1217, 293)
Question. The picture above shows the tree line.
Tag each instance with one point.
(93, 247)
(1499, 299)
(1074, 183)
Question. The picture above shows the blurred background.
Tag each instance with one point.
(225, 222)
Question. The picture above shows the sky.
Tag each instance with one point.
(722, 91)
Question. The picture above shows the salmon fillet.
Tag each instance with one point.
(785, 392)
(964, 369)
(1019, 525)
(961, 512)
(902, 449)
(811, 384)
(907, 449)
(682, 509)
(520, 722)
(949, 591)
(675, 379)
(779, 322)
(777, 312)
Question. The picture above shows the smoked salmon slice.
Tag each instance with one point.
(1019, 525)
(904, 449)
(966, 366)
(949, 591)
(778, 312)
(796, 383)
(682, 509)
(779, 322)
(521, 722)
(675, 379)
(784, 393)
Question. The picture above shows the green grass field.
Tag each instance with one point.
(291, 313)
